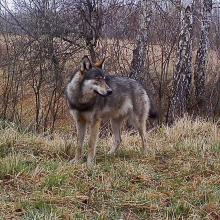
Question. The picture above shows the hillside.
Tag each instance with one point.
(180, 179)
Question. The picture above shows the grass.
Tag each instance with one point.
(179, 179)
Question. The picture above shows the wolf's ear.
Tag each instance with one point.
(100, 63)
(85, 64)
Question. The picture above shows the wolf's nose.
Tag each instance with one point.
(109, 92)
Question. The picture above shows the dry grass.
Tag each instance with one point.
(179, 179)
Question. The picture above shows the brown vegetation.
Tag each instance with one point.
(40, 48)
(179, 179)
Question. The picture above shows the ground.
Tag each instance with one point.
(179, 179)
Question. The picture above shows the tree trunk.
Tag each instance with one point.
(91, 18)
(183, 74)
(140, 53)
(202, 55)
(140, 61)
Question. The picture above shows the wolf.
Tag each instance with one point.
(94, 96)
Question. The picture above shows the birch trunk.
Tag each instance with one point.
(140, 61)
(202, 55)
(140, 53)
(183, 74)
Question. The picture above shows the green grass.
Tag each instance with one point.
(55, 181)
(40, 210)
(15, 164)
(179, 179)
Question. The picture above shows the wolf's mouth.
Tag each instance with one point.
(103, 95)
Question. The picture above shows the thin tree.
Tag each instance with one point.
(202, 54)
(183, 73)
(140, 61)
(91, 23)
(140, 53)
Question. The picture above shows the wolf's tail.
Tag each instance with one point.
(153, 113)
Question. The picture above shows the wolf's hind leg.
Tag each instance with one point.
(94, 130)
(140, 124)
(81, 130)
(116, 130)
(142, 132)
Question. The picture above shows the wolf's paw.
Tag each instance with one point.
(147, 152)
(76, 161)
(111, 152)
(90, 163)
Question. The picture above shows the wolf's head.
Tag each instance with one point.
(94, 79)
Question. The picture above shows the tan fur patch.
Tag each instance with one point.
(126, 107)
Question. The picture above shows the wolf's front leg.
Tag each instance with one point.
(116, 126)
(81, 130)
(94, 130)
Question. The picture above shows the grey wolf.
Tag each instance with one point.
(94, 95)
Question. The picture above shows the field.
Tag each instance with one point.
(179, 179)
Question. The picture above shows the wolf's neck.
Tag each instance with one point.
(76, 95)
